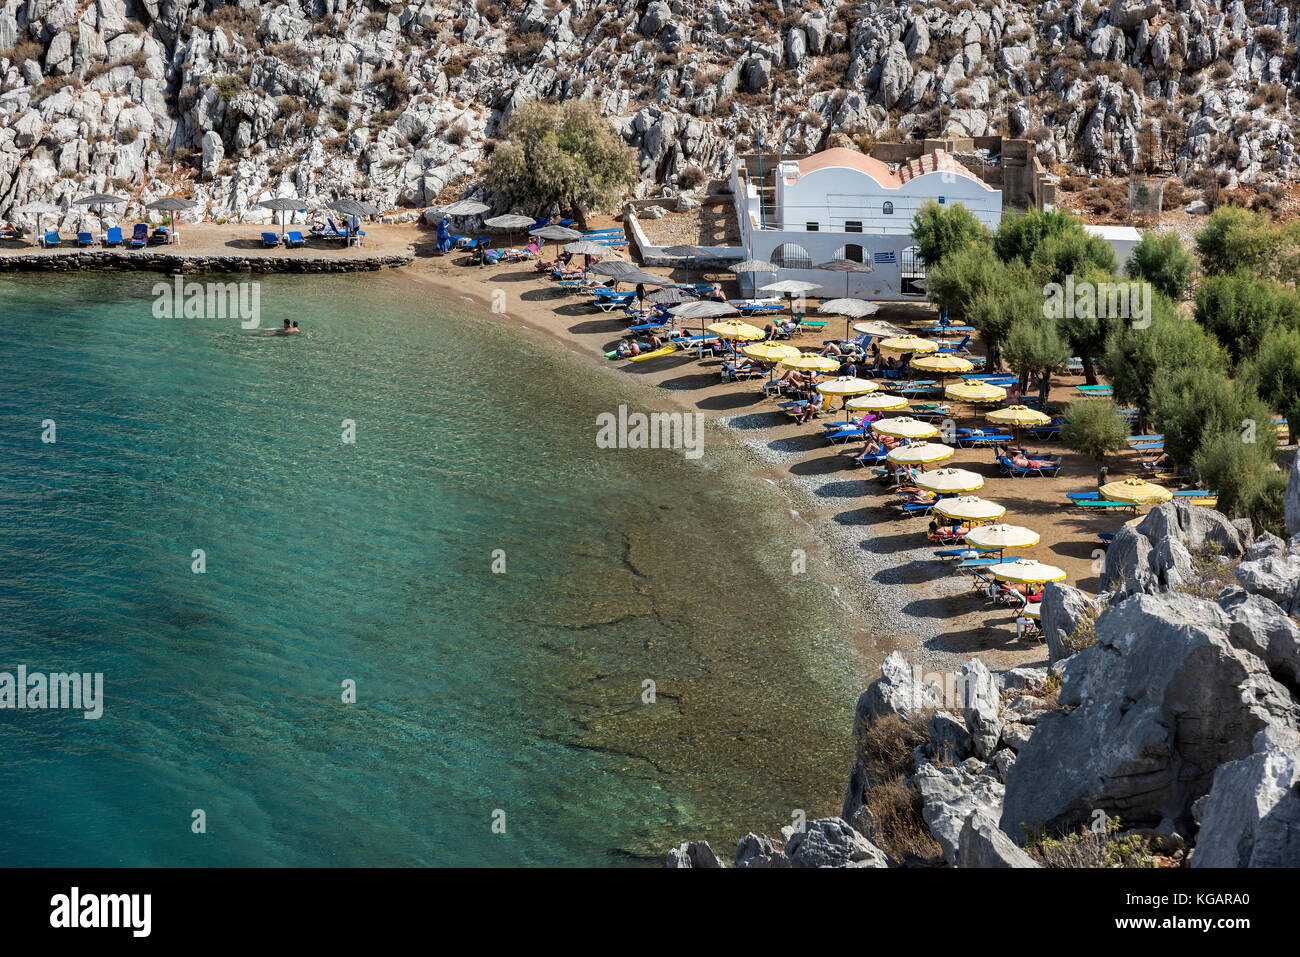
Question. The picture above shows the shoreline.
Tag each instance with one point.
(863, 582)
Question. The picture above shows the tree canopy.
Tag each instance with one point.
(940, 231)
(1161, 259)
(564, 158)
(1240, 309)
(1094, 427)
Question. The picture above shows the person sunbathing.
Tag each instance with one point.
(1021, 461)
(869, 450)
(832, 349)
(918, 496)
(812, 407)
(715, 294)
(795, 379)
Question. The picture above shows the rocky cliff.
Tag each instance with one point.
(395, 103)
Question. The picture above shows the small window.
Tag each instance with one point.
(888, 209)
(940, 200)
(813, 227)
(853, 226)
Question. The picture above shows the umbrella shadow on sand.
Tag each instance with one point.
(240, 243)
(515, 276)
(751, 422)
(839, 490)
(734, 400)
(606, 326)
(545, 294)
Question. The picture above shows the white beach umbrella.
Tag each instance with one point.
(970, 508)
(950, 480)
(1026, 571)
(920, 453)
(905, 427)
(876, 402)
(1002, 536)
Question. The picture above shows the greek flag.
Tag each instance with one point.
(885, 259)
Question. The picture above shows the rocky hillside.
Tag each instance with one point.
(1166, 730)
(395, 103)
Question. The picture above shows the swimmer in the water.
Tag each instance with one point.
(295, 326)
(285, 329)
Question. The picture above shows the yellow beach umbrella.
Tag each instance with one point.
(901, 344)
(1002, 536)
(735, 329)
(920, 453)
(769, 351)
(811, 362)
(1137, 491)
(975, 391)
(947, 364)
(847, 386)
(1027, 571)
(950, 480)
(970, 508)
(905, 427)
(876, 402)
(1018, 415)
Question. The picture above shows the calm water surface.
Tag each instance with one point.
(477, 693)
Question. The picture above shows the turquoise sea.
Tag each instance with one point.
(480, 697)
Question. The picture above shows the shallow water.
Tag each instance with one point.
(480, 696)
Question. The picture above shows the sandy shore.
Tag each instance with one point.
(880, 565)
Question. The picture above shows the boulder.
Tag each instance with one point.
(693, 854)
(1274, 578)
(982, 702)
(1148, 712)
(1064, 608)
(950, 741)
(213, 153)
(1016, 735)
(1024, 679)
(898, 691)
(949, 795)
(1195, 526)
(656, 17)
(983, 844)
(760, 851)
(1267, 545)
(1260, 627)
(1251, 817)
(1127, 561)
(829, 842)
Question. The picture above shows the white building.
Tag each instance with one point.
(1121, 238)
(842, 204)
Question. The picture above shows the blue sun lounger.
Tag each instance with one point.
(85, 239)
(140, 235)
(1104, 505)
(294, 240)
(113, 237)
(946, 553)
(270, 240)
(51, 238)
(986, 438)
(1015, 471)
(1083, 496)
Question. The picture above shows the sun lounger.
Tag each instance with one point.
(1015, 471)
(1104, 505)
(968, 563)
(270, 240)
(113, 237)
(51, 238)
(139, 235)
(160, 237)
(85, 239)
(295, 241)
(1195, 493)
(1083, 496)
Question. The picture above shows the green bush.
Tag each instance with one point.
(940, 231)
(1160, 259)
(1094, 427)
(563, 156)
(1240, 309)
(1273, 373)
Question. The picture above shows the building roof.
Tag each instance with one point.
(850, 159)
(1114, 233)
(938, 161)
